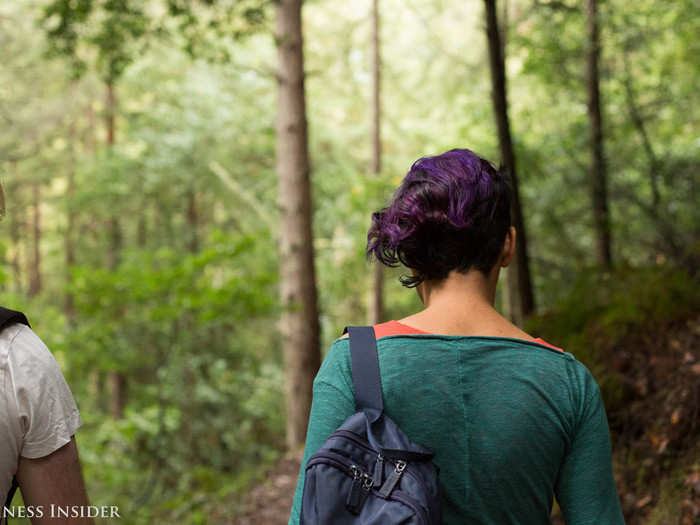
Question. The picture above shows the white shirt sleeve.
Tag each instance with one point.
(46, 409)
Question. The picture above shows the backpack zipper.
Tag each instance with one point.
(357, 439)
(362, 482)
(398, 495)
(393, 479)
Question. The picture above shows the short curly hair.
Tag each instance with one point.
(451, 212)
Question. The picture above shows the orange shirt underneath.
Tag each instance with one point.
(396, 328)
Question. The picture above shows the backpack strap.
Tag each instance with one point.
(10, 496)
(365, 368)
(8, 317)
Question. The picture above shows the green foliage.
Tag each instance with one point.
(602, 308)
(201, 405)
(182, 298)
(609, 304)
(205, 28)
(112, 29)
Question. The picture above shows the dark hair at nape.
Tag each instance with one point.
(451, 212)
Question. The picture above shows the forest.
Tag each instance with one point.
(188, 186)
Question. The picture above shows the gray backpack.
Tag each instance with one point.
(368, 472)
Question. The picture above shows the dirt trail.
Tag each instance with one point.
(269, 502)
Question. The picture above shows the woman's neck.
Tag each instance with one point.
(462, 304)
(472, 286)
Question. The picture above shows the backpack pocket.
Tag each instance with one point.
(339, 491)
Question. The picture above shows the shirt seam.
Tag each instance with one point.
(12, 380)
(71, 421)
(20, 327)
(442, 337)
(462, 389)
(334, 387)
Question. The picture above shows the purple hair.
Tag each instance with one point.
(451, 212)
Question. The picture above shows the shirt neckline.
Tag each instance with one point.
(396, 328)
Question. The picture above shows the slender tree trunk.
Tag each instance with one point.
(116, 380)
(638, 122)
(90, 140)
(189, 371)
(598, 173)
(142, 221)
(115, 233)
(35, 268)
(117, 398)
(15, 259)
(299, 322)
(192, 221)
(376, 310)
(110, 107)
(142, 228)
(15, 227)
(68, 300)
(96, 377)
(520, 295)
(69, 306)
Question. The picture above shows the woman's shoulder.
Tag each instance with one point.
(391, 328)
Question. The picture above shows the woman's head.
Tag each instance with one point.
(451, 212)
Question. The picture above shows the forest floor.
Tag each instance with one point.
(270, 502)
(655, 429)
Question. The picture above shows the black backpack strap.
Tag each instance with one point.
(365, 368)
(8, 317)
(10, 495)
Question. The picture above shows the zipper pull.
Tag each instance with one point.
(378, 475)
(393, 479)
(352, 503)
(366, 489)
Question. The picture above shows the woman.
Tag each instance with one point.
(512, 420)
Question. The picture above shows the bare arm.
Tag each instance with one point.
(56, 480)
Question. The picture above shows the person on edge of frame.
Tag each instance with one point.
(38, 421)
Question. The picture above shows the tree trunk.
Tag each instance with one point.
(601, 217)
(69, 306)
(299, 322)
(68, 302)
(376, 310)
(142, 228)
(116, 380)
(639, 124)
(110, 105)
(15, 260)
(90, 140)
(117, 398)
(193, 243)
(520, 295)
(15, 228)
(35, 268)
(189, 371)
(96, 377)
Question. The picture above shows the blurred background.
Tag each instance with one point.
(189, 249)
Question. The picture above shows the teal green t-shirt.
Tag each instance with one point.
(512, 423)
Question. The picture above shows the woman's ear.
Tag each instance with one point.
(508, 247)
